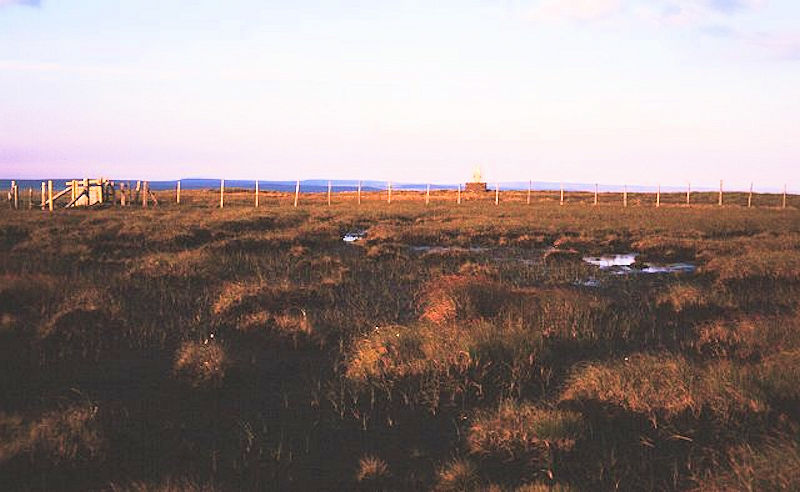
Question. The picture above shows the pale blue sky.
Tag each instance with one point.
(636, 91)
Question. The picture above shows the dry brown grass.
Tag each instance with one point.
(522, 431)
(202, 364)
(457, 475)
(655, 385)
(170, 484)
(372, 470)
(66, 435)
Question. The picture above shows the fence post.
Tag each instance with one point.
(122, 194)
(44, 199)
(30, 198)
(428, 195)
(359, 192)
(658, 196)
(458, 200)
(329, 193)
(14, 195)
(625, 196)
(256, 198)
(497, 193)
(720, 193)
(145, 189)
(688, 192)
(530, 183)
(296, 193)
(561, 198)
(50, 193)
(595, 194)
(221, 193)
(750, 196)
(784, 196)
(178, 193)
(389, 198)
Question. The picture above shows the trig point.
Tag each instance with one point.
(477, 183)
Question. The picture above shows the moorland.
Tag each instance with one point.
(447, 347)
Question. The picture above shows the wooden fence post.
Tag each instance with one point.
(30, 198)
(329, 193)
(122, 193)
(784, 196)
(750, 196)
(50, 193)
(561, 199)
(625, 196)
(256, 194)
(595, 194)
(458, 200)
(296, 193)
(221, 193)
(100, 183)
(497, 193)
(688, 193)
(14, 195)
(359, 192)
(530, 183)
(178, 193)
(428, 195)
(389, 198)
(44, 199)
(720, 193)
(658, 196)
(145, 189)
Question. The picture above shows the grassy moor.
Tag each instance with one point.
(440, 347)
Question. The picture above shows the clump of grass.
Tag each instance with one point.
(170, 484)
(655, 385)
(459, 474)
(747, 338)
(771, 465)
(202, 364)
(373, 472)
(524, 440)
(69, 435)
(468, 295)
(683, 297)
(522, 430)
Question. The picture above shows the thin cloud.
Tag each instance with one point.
(677, 12)
(583, 10)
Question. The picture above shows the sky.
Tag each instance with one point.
(609, 91)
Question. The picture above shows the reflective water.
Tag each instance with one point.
(353, 236)
(623, 264)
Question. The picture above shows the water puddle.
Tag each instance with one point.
(354, 236)
(446, 249)
(625, 264)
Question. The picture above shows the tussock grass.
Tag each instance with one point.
(201, 364)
